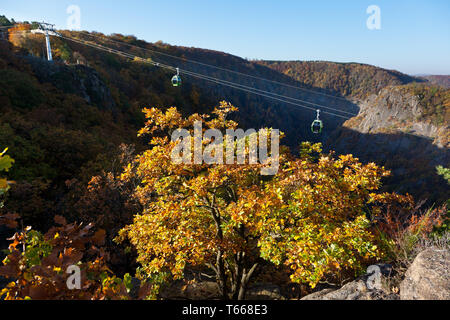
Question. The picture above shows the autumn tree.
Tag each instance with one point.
(323, 230)
(40, 265)
(108, 202)
(311, 216)
(20, 38)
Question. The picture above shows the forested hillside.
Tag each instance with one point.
(439, 80)
(152, 82)
(348, 79)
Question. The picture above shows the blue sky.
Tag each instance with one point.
(414, 36)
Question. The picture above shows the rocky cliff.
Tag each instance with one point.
(396, 128)
(396, 109)
(75, 79)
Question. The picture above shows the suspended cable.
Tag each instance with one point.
(194, 74)
(260, 94)
(233, 83)
(212, 66)
(244, 86)
(278, 95)
(197, 75)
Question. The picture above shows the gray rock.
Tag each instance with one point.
(355, 290)
(367, 287)
(428, 277)
(319, 295)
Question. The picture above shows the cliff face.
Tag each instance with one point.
(394, 128)
(395, 110)
(76, 79)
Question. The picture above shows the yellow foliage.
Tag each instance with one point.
(311, 216)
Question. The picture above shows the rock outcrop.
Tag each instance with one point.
(75, 79)
(428, 278)
(367, 287)
(395, 129)
(395, 109)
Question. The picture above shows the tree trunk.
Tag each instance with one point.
(237, 275)
(221, 276)
(244, 281)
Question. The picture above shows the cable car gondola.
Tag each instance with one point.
(176, 79)
(317, 125)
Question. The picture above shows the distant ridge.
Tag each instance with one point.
(348, 79)
(440, 80)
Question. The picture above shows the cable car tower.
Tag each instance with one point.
(48, 30)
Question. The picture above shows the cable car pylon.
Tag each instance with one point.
(48, 30)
